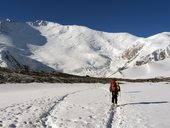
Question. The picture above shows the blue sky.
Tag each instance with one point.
(139, 17)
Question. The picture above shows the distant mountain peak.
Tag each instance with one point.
(40, 23)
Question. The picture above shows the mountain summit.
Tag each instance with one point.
(48, 46)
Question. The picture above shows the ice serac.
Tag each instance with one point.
(43, 45)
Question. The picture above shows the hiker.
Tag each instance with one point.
(114, 89)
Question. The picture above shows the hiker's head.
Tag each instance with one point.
(113, 80)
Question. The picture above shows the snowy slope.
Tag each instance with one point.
(151, 60)
(84, 106)
(149, 70)
(49, 46)
(80, 50)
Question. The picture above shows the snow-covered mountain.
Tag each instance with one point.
(49, 46)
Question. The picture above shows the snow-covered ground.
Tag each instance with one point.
(141, 105)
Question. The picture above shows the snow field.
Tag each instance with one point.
(52, 105)
(82, 109)
(141, 105)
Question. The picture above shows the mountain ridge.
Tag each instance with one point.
(49, 46)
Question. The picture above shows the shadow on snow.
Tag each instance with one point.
(133, 92)
(157, 102)
(111, 117)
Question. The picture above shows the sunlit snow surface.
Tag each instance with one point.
(141, 105)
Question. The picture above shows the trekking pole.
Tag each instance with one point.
(120, 93)
(120, 96)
